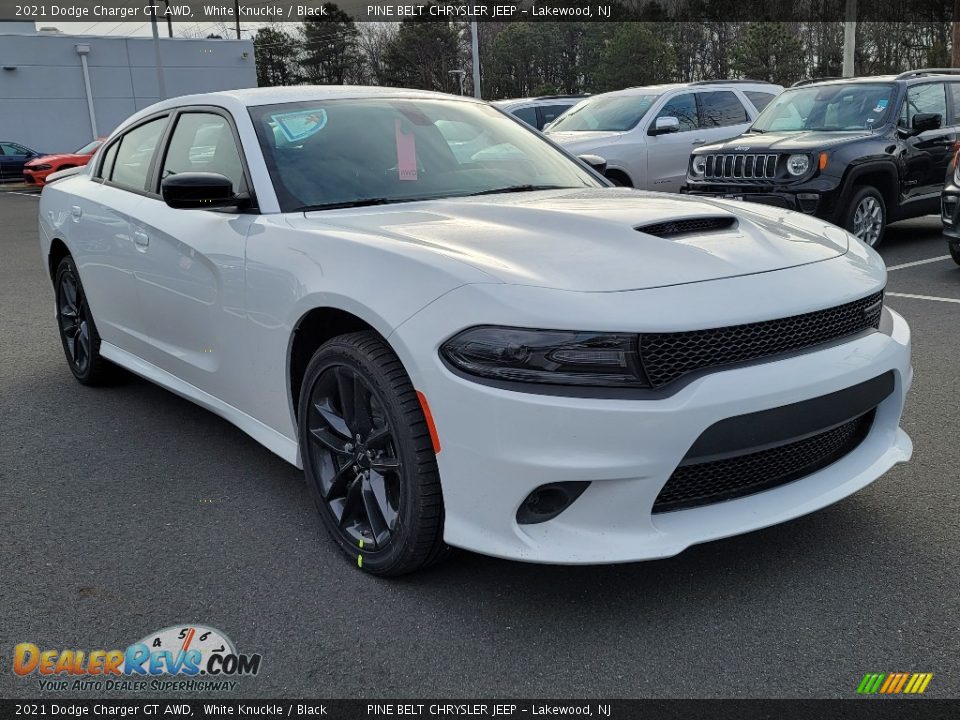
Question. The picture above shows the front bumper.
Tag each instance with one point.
(498, 445)
(35, 177)
(950, 213)
(816, 197)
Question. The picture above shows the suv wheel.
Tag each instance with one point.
(368, 456)
(867, 215)
(955, 252)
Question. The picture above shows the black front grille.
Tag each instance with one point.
(668, 356)
(740, 167)
(686, 226)
(704, 483)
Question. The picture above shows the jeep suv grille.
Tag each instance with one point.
(741, 167)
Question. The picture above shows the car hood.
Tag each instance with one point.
(64, 157)
(584, 139)
(785, 141)
(588, 240)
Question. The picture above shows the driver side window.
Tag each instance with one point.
(684, 108)
(928, 98)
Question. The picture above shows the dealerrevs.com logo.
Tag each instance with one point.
(191, 658)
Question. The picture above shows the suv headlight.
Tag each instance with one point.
(798, 164)
(555, 357)
(699, 165)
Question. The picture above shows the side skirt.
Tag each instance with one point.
(268, 437)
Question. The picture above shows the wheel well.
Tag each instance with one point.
(619, 176)
(313, 330)
(885, 182)
(58, 251)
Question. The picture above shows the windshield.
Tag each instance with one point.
(89, 148)
(857, 106)
(617, 113)
(336, 153)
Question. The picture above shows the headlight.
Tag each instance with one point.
(798, 164)
(555, 357)
(699, 165)
(41, 166)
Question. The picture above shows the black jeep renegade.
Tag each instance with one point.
(858, 152)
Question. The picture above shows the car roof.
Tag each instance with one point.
(238, 100)
(706, 85)
(909, 78)
(509, 102)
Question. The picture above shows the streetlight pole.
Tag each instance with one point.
(475, 51)
(161, 82)
(849, 38)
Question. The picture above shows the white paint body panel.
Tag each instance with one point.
(209, 308)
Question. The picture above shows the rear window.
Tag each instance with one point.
(759, 99)
(721, 108)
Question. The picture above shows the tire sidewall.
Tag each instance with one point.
(329, 355)
(67, 265)
(856, 199)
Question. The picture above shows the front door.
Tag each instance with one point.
(191, 282)
(668, 154)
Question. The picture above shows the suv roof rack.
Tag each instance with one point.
(731, 82)
(810, 81)
(927, 71)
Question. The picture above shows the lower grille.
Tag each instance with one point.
(705, 483)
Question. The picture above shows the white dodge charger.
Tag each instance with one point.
(465, 337)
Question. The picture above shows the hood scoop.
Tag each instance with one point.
(689, 226)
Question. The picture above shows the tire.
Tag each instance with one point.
(955, 252)
(618, 179)
(379, 496)
(78, 331)
(866, 215)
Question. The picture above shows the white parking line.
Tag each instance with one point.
(922, 297)
(918, 262)
(33, 195)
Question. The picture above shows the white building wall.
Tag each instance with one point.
(43, 101)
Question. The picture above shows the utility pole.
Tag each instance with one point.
(850, 38)
(161, 82)
(475, 49)
(169, 19)
(955, 27)
(236, 15)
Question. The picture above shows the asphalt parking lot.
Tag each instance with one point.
(125, 510)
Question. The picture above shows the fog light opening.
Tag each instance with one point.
(548, 501)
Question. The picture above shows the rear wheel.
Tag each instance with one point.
(78, 331)
(368, 456)
(867, 215)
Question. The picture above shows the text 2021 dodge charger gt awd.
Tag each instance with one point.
(465, 337)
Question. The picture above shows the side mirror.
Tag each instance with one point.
(546, 126)
(664, 125)
(926, 121)
(594, 161)
(198, 191)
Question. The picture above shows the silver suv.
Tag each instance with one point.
(646, 134)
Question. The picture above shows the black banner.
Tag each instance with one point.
(259, 11)
(865, 709)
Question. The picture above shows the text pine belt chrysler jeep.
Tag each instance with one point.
(859, 152)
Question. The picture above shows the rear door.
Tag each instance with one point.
(927, 154)
(103, 246)
(12, 160)
(667, 154)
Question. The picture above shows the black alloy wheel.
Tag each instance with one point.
(78, 331)
(368, 456)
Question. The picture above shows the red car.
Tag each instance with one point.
(36, 171)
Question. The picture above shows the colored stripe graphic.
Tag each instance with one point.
(894, 683)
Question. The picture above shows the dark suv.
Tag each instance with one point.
(858, 152)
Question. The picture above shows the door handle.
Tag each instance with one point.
(76, 211)
(140, 238)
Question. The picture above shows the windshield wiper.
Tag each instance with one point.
(362, 202)
(519, 188)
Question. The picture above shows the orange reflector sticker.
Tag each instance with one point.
(428, 416)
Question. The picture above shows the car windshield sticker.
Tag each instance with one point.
(881, 106)
(301, 124)
(406, 153)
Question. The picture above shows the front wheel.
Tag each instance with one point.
(369, 458)
(867, 215)
(955, 252)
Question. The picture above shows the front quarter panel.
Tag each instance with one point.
(292, 270)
